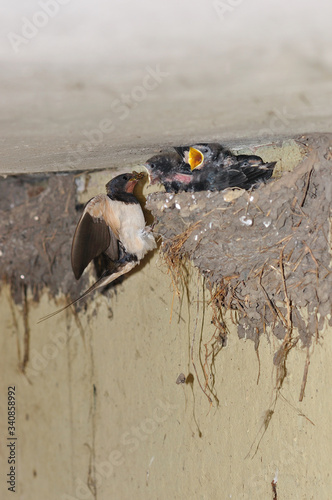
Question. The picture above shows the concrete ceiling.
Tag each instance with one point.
(104, 85)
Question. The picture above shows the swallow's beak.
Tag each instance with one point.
(137, 176)
(195, 158)
(148, 174)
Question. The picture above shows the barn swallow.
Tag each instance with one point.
(240, 173)
(170, 170)
(207, 167)
(112, 224)
(215, 168)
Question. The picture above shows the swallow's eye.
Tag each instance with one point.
(125, 177)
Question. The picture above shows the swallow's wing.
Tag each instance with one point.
(96, 232)
(243, 175)
(254, 173)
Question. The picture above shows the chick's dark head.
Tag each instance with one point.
(203, 154)
(163, 166)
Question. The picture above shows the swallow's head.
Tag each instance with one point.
(123, 183)
(200, 155)
(163, 166)
(250, 160)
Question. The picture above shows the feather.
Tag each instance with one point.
(105, 279)
(93, 236)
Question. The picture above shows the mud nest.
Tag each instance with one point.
(38, 216)
(265, 254)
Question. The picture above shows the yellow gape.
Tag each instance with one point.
(195, 158)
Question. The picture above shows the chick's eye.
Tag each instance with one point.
(152, 165)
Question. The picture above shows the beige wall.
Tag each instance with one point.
(138, 428)
(261, 70)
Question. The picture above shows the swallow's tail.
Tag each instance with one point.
(105, 279)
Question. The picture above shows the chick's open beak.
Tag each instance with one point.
(195, 158)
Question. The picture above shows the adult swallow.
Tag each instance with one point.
(112, 224)
(171, 170)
